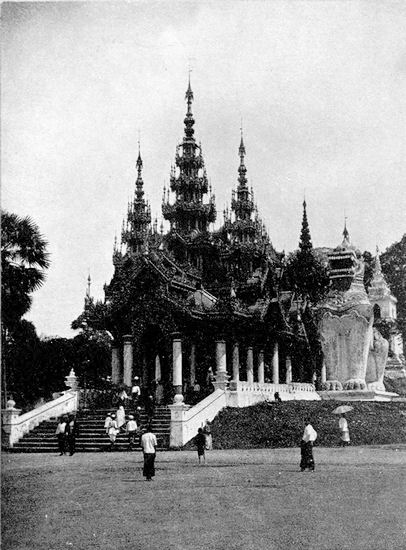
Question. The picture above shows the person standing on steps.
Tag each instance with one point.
(72, 432)
(61, 434)
(113, 431)
(131, 429)
(344, 431)
(135, 392)
(148, 445)
(306, 447)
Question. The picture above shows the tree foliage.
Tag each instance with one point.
(393, 262)
(24, 259)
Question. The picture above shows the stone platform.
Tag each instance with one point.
(358, 395)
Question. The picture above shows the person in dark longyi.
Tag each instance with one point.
(200, 442)
(148, 444)
(306, 447)
(72, 432)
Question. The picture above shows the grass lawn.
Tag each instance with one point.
(241, 499)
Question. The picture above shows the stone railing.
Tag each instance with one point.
(15, 424)
(244, 394)
(186, 420)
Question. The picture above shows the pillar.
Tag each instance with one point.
(323, 372)
(275, 364)
(221, 365)
(193, 364)
(115, 364)
(236, 362)
(261, 367)
(177, 367)
(288, 370)
(128, 360)
(250, 365)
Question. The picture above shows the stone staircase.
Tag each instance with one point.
(92, 434)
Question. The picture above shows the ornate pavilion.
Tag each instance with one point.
(192, 298)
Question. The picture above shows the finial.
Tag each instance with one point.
(88, 286)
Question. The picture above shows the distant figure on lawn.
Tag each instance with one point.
(200, 442)
(72, 432)
(208, 436)
(344, 431)
(277, 397)
(148, 444)
(61, 434)
(306, 447)
(131, 429)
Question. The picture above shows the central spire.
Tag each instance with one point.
(189, 120)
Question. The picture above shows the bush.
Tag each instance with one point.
(282, 424)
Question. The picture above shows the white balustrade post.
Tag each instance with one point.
(177, 379)
(236, 362)
(115, 364)
(250, 365)
(288, 370)
(275, 364)
(128, 360)
(261, 367)
(221, 365)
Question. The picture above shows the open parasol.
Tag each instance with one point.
(342, 409)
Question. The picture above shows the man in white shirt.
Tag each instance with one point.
(148, 444)
(131, 429)
(306, 447)
(136, 391)
(345, 432)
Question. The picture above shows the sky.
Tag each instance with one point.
(320, 88)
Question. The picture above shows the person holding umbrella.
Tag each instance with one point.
(343, 424)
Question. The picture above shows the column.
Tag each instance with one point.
(261, 367)
(323, 373)
(221, 365)
(192, 363)
(288, 370)
(128, 360)
(275, 364)
(177, 367)
(115, 364)
(236, 362)
(250, 365)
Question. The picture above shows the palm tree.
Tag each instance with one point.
(24, 259)
(23, 262)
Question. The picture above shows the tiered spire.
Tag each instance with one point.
(379, 286)
(135, 230)
(243, 223)
(305, 243)
(188, 180)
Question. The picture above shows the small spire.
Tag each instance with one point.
(89, 280)
(189, 95)
(346, 235)
(305, 243)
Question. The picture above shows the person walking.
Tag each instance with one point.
(72, 432)
(149, 444)
(344, 431)
(113, 431)
(61, 434)
(150, 407)
(131, 430)
(200, 442)
(306, 447)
